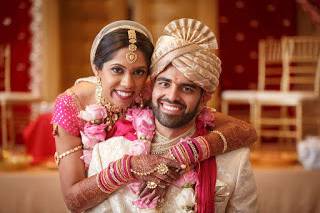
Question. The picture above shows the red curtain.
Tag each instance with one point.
(15, 21)
(241, 24)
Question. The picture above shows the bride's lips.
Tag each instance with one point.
(124, 95)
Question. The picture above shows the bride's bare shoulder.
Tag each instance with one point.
(85, 92)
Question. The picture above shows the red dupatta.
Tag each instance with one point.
(207, 172)
(205, 189)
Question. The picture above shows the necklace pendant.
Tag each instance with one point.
(115, 117)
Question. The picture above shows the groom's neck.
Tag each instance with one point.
(173, 132)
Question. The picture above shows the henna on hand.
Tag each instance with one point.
(158, 193)
(145, 167)
(84, 195)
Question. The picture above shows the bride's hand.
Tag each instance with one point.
(156, 169)
(156, 195)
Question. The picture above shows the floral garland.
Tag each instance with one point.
(94, 129)
(142, 121)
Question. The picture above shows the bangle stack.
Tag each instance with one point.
(203, 147)
(190, 150)
(187, 151)
(115, 175)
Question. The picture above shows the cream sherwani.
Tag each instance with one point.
(235, 186)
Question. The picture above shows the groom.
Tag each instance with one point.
(185, 72)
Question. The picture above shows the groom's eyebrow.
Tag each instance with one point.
(189, 85)
(163, 79)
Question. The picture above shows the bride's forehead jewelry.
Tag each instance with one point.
(131, 56)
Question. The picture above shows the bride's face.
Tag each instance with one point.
(122, 81)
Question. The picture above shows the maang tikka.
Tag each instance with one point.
(131, 56)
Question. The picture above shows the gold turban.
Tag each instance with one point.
(189, 46)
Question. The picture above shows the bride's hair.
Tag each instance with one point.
(116, 40)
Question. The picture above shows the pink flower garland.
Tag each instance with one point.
(205, 120)
(94, 130)
(143, 123)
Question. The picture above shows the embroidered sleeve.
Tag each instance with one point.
(65, 114)
(237, 133)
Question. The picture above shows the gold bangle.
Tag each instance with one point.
(120, 171)
(193, 148)
(225, 144)
(171, 155)
(58, 157)
(204, 147)
(99, 184)
(185, 154)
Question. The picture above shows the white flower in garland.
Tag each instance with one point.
(186, 200)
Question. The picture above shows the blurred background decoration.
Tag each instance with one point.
(44, 48)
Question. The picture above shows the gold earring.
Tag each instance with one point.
(138, 101)
(141, 100)
(99, 98)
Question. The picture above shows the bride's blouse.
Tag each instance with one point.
(66, 111)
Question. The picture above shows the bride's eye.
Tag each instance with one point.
(139, 72)
(117, 70)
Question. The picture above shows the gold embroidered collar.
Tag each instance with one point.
(161, 144)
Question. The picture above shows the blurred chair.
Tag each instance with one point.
(269, 78)
(8, 98)
(300, 82)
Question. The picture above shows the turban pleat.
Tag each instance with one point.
(189, 46)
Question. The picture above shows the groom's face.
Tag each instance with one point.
(175, 99)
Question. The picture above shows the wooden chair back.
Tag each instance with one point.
(269, 64)
(301, 64)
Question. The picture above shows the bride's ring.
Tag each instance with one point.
(162, 169)
(151, 185)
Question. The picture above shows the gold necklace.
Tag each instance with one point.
(113, 114)
(161, 144)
